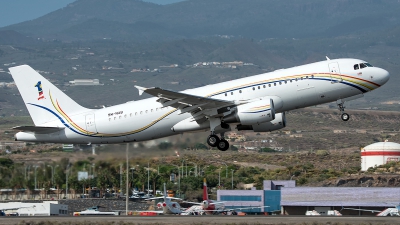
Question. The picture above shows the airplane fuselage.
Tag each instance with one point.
(147, 119)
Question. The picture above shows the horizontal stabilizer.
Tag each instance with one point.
(38, 130)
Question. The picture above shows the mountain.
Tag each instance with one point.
(260, 19)
(8, 37)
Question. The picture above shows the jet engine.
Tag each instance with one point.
(256, 112)
(278, 123)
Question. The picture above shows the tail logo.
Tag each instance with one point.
(40, 90)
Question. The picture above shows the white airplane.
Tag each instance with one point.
(393, 211)
(255, 103)
(210, 206)
(167, 206)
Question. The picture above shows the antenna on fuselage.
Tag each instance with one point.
(327, 58)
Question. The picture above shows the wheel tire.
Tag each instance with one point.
(223, 145)
(345, 117)
(213, 140)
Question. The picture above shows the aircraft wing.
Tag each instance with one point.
(198, 106)
(38, 130)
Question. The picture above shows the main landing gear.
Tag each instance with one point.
(214, 141)
(344, 116)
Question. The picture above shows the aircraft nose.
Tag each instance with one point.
(383, 76)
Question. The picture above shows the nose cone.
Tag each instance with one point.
(382, 76)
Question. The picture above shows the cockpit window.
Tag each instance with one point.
(368, 65)
(361, 66)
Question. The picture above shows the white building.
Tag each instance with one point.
(378, 154)
(46, 208)
(85, 82)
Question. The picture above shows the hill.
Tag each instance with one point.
(260, 19)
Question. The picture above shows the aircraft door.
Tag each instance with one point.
(334, 71)
(90, 124)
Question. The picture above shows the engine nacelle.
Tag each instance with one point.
(256, 112)
(278, 123)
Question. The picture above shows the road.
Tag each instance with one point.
(172, 220)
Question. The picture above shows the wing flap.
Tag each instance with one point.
(38, 129)
(187, 103)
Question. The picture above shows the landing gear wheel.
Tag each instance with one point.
(213, 140)
(223, 145)
(345, 117)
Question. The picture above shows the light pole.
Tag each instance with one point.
(148, 178)
(179, 180)
(232, 178)
(182, 166)
(26, 167)
(219, 178)
(120, 178)
(226, 170)
(66, 181)
(35, 176)
(52, 173)
(195, 171)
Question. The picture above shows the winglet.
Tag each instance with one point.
(141, 89)
(327, 58)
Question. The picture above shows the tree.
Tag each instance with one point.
(165, 145)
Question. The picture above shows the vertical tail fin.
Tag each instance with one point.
(205, 192)
(45, 102)
(165, 193)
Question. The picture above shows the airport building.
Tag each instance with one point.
(379, 154)
(347, 200)
(266, 200)
(285, 198)
(46, 208)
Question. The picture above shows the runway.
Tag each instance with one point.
(242, 220)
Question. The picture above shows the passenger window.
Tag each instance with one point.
(259, 87)
(306, 77)
(226, 94)
(269, 85)
(231, 93)
(240, 91)
(274, 84)
(280, 83)
(296, 78)
(254, 88)
(356, 67)
(285, 81)
(301, 78)
(264, 86)
(312, 76)
(291, 80)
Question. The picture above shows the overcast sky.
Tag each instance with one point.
(16, 11)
